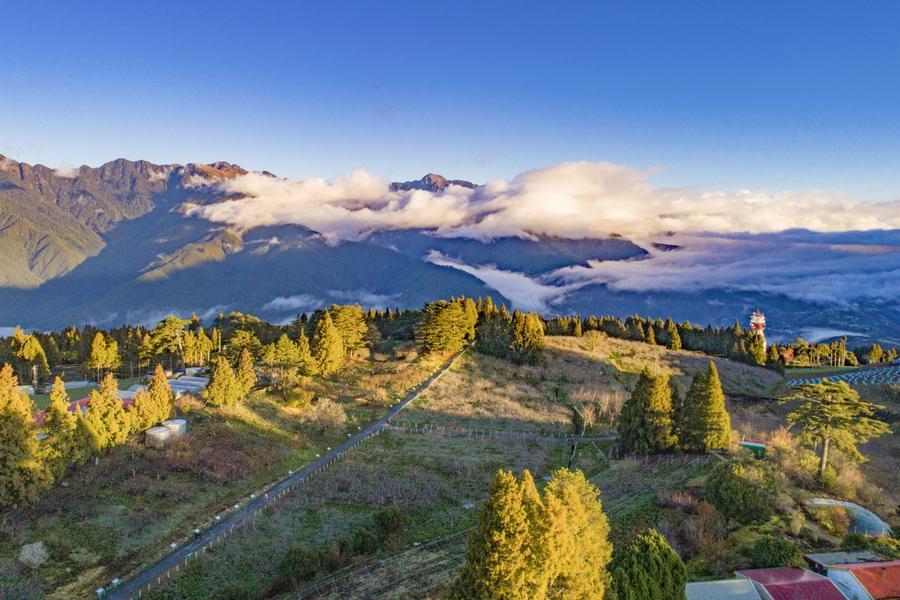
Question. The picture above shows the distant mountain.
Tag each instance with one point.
(112, 244)
(431, 183)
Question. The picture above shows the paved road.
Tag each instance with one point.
(157, 572)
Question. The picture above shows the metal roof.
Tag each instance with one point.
(844, 557)
(732, 589)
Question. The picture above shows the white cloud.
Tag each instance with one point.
(525, 293)
(817, 271)
(365, 298)
(66, 172)
(297, 302)
(573, 200)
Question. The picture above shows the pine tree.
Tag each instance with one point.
(528, 338)
(223, 388)
(23, 473)
(60, 447)
(705, 423)
(578, 533)
(106, 406)
(648, 569)
(649, 336)
(162, 398)
(327, 346)
(496, 565)
(673, 339)
(306, 364)
(350, 323)
(246, 374)
(832, 412)
(443, 327)
(537, 550)
(645, 423)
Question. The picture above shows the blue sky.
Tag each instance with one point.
(719, 95)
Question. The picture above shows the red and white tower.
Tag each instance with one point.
(758, 325)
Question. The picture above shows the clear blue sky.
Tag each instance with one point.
(772, 96)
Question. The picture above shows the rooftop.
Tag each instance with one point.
(733, 589)
(789, 583)
(836, 558)
(880, 579)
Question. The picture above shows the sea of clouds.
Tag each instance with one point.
(816, 246)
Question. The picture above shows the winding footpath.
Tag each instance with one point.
(159, 572)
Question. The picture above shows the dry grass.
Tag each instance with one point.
(592, 371)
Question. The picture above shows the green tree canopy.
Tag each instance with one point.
(327, 346)
(645, 423)
(647, 568)
(831, 412)
(61, 445)
(223, 388)
(704, 421)
(23, 473)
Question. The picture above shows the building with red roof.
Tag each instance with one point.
(790, 583)
(868, 581)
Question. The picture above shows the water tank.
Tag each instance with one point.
(158, 437)
(178, 427)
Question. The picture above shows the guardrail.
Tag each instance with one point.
(244, 516)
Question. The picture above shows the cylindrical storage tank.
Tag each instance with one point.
(178, 427)
(158, 437)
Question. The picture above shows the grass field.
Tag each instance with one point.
(105, 519)
(435, 481)
(481, 391)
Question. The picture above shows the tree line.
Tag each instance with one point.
(735, 342)
(30, 463)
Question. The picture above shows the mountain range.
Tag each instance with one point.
(120, 243)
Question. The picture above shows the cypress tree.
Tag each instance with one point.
(705, 423)
(645, 423)
(161, 396)
(537, 551)
(223, 388)
(107, 409)
(649, 336)
(673, 339)
(528, 338)
(60, 426)
(578, 533)
(496, 565)
(246, 375)
(23, 474)
(648, 569)
(327, 346)
(306, 364)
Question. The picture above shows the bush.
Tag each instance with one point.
(299, 564)
(33, 555)
(326, 416)
(886, 547)
(833, 518)
(743, 490)
(364, 541)
(389, 521)
(772, 551)
(717, 560)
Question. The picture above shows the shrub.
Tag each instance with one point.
(720, 559)
(772, 551)
(887, 547)
(364, 541)
(33, 555)
(299, 564)
(743, 490)
(389, 521)
(833, 518)
(326, 416)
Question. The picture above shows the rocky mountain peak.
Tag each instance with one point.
(431, 182)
